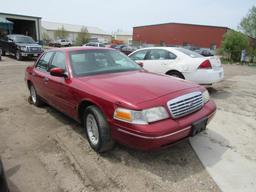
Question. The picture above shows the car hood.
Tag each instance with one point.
(135, 87)
(28, 44)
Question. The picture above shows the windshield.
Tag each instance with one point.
(23, 39)
(90, 62)
(192, 54)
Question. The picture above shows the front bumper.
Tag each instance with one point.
(31, 54)
(160, 134)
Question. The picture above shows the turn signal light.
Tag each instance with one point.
(123, 115)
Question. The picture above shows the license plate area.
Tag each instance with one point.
(198, 126)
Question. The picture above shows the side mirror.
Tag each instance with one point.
(10, 40)
(140, 64)
(58, 72)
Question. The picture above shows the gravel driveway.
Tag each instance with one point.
(43, 150)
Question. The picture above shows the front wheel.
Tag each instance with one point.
(176, 74)
(18, 56)
(35, 99)
(97, 130)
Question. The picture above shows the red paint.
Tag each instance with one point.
(178, 34)
(134, 90)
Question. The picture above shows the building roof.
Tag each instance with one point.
(72, 28)
(3, 20)
(17, 15)
(173, 23)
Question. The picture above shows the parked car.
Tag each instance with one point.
(181, 63)
(3, 181)
(20, 46)
(205, 52)
(94, 44)
(116, 100)
(124, 48)
(113, 46)
(61, 43)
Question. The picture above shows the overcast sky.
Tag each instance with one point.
(111, 15)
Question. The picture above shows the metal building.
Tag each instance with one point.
(22, 24)
(180, 34)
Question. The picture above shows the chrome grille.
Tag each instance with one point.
(34, 49)
(185, 104)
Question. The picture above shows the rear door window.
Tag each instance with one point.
(189, 53)
(158, 54)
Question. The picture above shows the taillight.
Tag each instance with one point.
(205, 65)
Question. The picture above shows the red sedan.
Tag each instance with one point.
(116, 100)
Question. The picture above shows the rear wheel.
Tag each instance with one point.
(3, 53)
(34, 98)
(97, 130)
(176, 74)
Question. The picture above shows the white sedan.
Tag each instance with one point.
(180, 62)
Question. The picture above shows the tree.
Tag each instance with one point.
(61, 33)
(83, 36)
(248, 23)
(45, 36)
(233, 43)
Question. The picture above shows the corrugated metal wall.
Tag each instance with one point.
(180, 34)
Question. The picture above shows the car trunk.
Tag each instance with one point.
(215, 62)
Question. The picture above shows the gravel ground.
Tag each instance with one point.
(43, 150)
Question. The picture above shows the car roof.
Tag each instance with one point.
(165, 48)
(68, 49)
(174, 50)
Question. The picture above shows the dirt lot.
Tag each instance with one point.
(43, 150)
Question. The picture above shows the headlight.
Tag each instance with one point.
(23, 48)
(141, 117)
(206, 96)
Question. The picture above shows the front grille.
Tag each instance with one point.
(185, 104)
(34, 49)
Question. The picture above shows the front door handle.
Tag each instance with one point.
(46, 79)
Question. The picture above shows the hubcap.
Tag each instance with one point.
(92, 129)
(33, 94)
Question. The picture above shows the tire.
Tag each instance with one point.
(18, 56)
(3, 52)
(176, 74)
(97, 130)
(34, 98)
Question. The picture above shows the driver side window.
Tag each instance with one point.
(140, 55)
(43, 62)
(58, 61)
